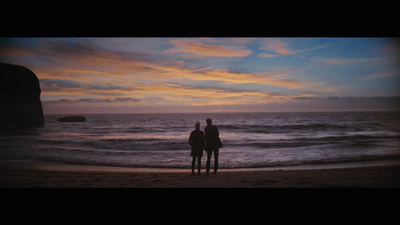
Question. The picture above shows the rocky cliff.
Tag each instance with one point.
(19, 97)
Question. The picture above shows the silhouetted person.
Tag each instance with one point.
(213, 143)
(197, 141)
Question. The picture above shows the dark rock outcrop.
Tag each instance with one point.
(72, 119)
(19, 97)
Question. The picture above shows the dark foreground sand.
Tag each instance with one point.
(375, 177)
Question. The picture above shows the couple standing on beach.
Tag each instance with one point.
(209, 141)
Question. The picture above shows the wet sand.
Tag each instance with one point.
(56, 177)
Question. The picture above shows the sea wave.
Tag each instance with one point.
(286, 128)
(181, 144)
(250, 140)
(143, 144)
(171, 160)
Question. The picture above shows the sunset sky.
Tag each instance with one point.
(135, 75)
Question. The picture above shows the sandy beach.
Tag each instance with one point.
(103, 177)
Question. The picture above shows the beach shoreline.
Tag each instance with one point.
(50, 175)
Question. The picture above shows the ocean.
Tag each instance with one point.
(251, 140)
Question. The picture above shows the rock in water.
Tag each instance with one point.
(72, 119)
(19, 97)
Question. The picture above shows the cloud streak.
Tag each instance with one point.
(385, 74)
(341, 60)
(198, 48)
(276, 48)
(91, 100)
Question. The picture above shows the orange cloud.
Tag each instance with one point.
(198, 48)
(277, 46)
(83, 71)
(267, 78)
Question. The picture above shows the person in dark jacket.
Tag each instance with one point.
(213, 144)
(197, 141)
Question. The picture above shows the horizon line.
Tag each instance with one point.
(323, 111)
